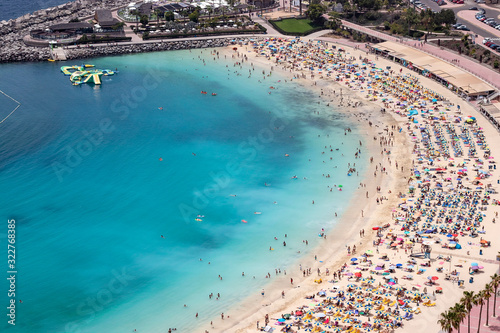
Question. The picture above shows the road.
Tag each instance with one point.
(468, 4)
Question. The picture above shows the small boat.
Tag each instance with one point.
(51, 60)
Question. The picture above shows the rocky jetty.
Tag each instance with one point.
(96, 51)
(12, 47)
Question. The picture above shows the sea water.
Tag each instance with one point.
(13, 9)
(133, 197)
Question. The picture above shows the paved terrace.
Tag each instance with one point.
(472, 67)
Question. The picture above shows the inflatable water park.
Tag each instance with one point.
(85, 74)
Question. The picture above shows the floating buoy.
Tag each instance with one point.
(161, 159)
(286, 155)
(244, 221)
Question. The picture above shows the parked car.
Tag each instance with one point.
(463, 28)
(460, 2)
(473, 8)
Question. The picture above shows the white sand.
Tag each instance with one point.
(243, 316)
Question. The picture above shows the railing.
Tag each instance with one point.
(407, 41)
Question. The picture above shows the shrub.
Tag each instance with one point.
(372, 16)
(417, 34)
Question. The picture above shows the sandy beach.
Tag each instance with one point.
(402, 195)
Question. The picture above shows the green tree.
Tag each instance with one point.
(213, 23)
(495, 279)
(169, 16)
(315, 12)
(210, 10)
(411, 18)
(144, 20)
(459, 314)
(118, 26)
(445, 321)
(479, 300)
(488, 291)
(427, 19)
(446, 17)
(194, 16)
(334, 23)
(468, 301)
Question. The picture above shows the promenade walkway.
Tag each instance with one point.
(472, 67)
(494, 323)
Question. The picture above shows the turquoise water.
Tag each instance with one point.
(94, 176)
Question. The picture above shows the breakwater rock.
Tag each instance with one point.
(96, 51)
(12, 47)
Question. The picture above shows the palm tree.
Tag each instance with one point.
(209, 10)
(479, 300)
(459, 315)
(468, 301)
(488, 291)
(495, 280)
(445, 320)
